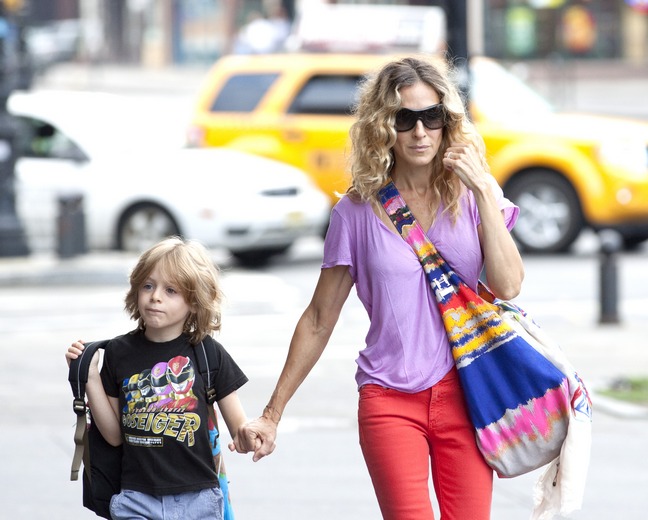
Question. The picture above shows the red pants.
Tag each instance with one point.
(402, 434)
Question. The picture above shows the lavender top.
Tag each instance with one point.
(406, 346)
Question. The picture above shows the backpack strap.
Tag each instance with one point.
(207, 362)
(78, 378)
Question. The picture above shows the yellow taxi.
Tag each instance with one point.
(566, 172)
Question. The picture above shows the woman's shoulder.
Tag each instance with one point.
(349, 205)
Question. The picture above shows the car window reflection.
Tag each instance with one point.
(40, 139)
(242, 93)
(327, 94)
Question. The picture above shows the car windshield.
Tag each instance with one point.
(500, 95)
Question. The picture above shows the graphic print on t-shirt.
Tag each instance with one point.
(160, 403)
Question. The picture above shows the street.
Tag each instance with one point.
(317, 470)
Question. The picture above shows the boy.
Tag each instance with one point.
(149, 396)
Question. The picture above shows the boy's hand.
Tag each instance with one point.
(75, 350)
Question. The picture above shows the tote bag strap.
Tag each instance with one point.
(442, 278)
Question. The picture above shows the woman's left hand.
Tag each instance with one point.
(464, 159)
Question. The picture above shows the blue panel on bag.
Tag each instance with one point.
(505, 378)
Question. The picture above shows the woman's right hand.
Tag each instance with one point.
(258, 436)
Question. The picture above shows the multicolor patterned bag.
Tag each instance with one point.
(523, 395)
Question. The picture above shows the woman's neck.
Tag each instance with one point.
(412, 181)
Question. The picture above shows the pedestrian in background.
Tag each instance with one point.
(149, 379)
(411, 126)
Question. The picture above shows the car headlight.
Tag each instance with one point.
(631, 155)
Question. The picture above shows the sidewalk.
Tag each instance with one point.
(609, 87)
(42, 270)
(92, 269)
(125, 79)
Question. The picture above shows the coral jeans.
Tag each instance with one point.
(402, 435)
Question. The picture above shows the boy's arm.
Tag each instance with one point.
(105, 409)
(232, 411)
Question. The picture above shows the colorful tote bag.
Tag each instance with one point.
(523, 396)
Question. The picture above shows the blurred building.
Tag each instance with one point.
(194, 31)
(586, 29)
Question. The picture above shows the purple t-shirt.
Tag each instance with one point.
(406, 346)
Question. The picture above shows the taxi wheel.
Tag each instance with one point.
(144, 225)
(550, 212)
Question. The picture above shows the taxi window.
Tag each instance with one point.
(242, 93)
(333, 95)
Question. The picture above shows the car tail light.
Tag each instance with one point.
(195, 136)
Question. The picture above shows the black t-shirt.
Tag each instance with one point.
(164, 419)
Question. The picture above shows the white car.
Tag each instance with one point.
(137, 188)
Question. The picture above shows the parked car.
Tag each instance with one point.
(135, 192)
(567, 172)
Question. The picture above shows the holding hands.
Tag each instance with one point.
(256, 436)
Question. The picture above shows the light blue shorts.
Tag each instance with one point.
(206, 504)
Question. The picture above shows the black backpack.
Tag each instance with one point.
(101, 460)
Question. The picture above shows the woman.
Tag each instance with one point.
(411, 125)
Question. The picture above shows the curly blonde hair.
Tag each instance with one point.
(188, 265)
(373, 135)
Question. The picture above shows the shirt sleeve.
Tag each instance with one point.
(229, 376)
(511, 211)
(337, 244)
(108, 378)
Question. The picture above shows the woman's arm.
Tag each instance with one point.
(502, 261)
(105, 409)
(311, 335)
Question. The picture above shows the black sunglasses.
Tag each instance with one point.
(432, 117)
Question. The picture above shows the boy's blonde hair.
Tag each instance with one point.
(187, 264)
